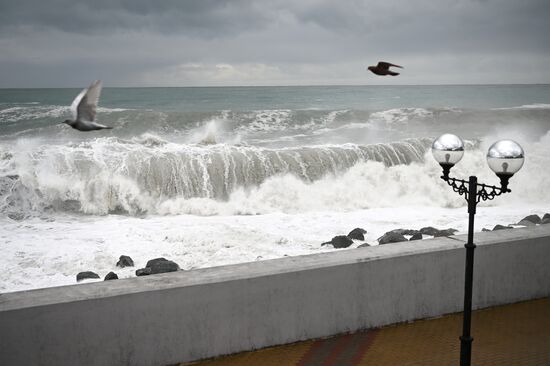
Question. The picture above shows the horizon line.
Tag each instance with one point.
(281, 86)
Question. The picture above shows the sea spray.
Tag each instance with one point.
(191, 174)
(116, 175)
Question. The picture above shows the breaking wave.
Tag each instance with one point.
(142, 174)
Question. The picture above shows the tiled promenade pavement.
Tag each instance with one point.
(517, 334)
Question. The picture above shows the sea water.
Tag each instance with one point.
(213, 176)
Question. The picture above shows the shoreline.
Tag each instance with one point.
(41, 253)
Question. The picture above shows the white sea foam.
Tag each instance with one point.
(399, 115)
(112, 174)
(270, 120)
(35, 112)
(526, 106)
(50, 251)
(205, 186)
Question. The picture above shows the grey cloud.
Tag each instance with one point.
(204, 18)
(208, 42)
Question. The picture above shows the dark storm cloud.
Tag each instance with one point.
(441, 24)
(204, 18)
(218, 42)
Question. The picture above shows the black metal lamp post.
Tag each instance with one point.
(505, 158)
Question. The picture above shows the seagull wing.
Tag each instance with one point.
(86, 108)
(386, 65)
(95, 124)
(76, 102)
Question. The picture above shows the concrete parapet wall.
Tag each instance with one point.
(185, 316)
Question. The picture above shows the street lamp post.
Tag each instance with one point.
(505, 158)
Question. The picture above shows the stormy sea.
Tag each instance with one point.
(221, 175)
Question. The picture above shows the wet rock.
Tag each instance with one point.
(340, 241)
(429, 231)
(364, 245)
(526, 223)
(357, 234)
(143, 272)
(484, 229)
(404, 231)
(545, 221)
(407, 232)
(391, 237)
(125, 261)
(162, 265)
(416, 236)
(534, 219)
(86, 275)
(445, 232)
(111, 276)
(546, 216)
(501, 227)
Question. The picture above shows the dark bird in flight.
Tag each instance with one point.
(383, 68)
(84, 108)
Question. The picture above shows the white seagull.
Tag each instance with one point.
(84, 107)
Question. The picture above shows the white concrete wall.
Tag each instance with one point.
(176, 317)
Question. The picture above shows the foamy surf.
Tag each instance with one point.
(143, 175)
(213, 176)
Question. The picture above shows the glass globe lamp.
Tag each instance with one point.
(505, 158)
(447, 150)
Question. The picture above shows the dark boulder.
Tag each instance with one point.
(429, 231)
(501, 227)
(545, 221)
(357, 234)
(143, 272)
(162, 265)
(534, 219)
(391, 237)
(546, 216)
(111, 276)
(340, 241)
(445, 232)
(484, 229)
(86, 275)
(125, 261)
(526, 223)
(410, 232)
(364, 245)
(416, 236)
(405, 231)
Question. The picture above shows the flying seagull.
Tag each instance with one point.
(84, 107)
(383, 68)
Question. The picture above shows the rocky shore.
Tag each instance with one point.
(354, 239)
(402, 235)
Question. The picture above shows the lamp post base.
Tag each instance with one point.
(465, 350)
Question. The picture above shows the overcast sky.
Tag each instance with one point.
(59, 43)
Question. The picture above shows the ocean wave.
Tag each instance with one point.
(372, 184)
(525, 106)
(400, 115)
(133, 175)
(36, 111)
(284, 119)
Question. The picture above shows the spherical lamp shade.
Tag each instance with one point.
(505, 157)
(448, 149)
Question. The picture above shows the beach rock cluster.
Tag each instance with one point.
(402, 235)
(154, 266)
(530, 220)
(344, 241)
(399, 235)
